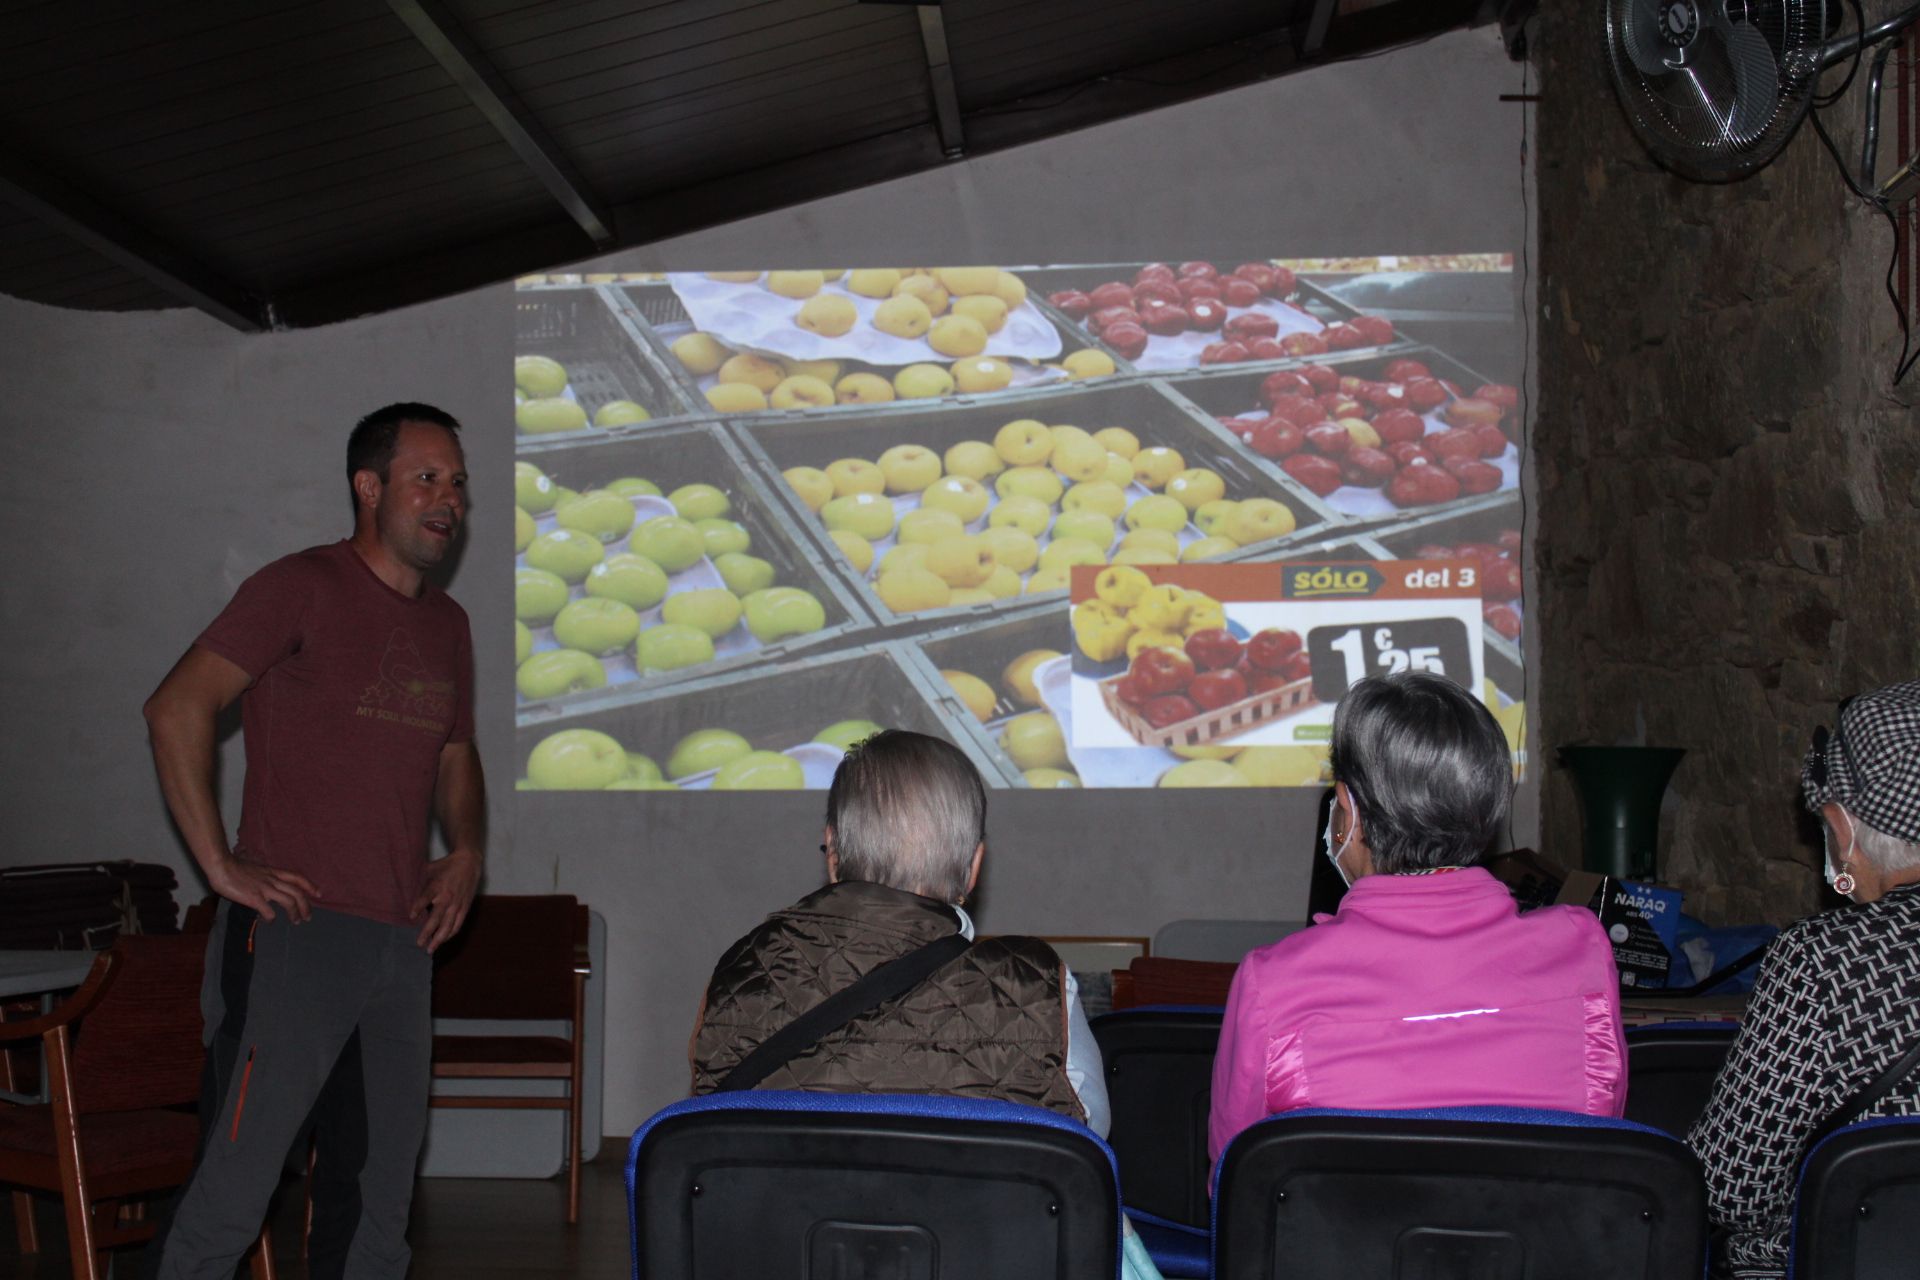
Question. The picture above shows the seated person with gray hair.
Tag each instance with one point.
(1427, 988)
(1832, 1030)
(993, 1018)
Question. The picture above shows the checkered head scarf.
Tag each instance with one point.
(1871, 762)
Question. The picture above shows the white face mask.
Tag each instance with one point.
(1333, 854)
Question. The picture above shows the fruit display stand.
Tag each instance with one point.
(985, 649)
(779, 709)
(670, 457)
(655, 317)
(579, 328)
(1142, 407)
(1239, 395)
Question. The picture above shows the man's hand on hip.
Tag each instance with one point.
(261, 887)
(445, 895)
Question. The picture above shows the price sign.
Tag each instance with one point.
(1343, 655)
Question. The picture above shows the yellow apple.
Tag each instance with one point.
(929, 525)
(825, 370)
(1038, 483)
(1079, 458)
(1257, 519)
(813, 486)
(911, 590)
(909, 468)
(1033, 740)
(856, 475)
(1204, 773)
(1207, 549)
(1065, 553)
(863, 388)
(1119, 471)
(923, 382)
(1364, 436)
(1029, 515)
(906, 555)
(1212, 517)
(829, 315)
(966, 498)
(1157, 511)
(1155, 466)
(872, 282)
(976, 375)
(1044, 580)
(985, 309)
(1088, 363)
(1019, 673)
(795, 284)
(924, 287)
(975, 694)
(801, 392)
(957, 336)
(963, 280)
(1118, 440)
(868, 514)
(1195, 486)
(1008, 288)
(963, 560)
(1156, 539)
(1095, 495)
(1024, 442)
(1003, 583)
(974, 459)
(1121, 586)
(736, 397)
(903, 316)
(1085, 524)
(857, 550)
(754, 371)
(700, 353)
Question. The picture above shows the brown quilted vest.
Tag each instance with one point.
(990, 1024)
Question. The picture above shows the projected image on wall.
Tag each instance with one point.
(761, 514)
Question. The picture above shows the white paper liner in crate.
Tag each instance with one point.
(1182, 350)
(817, 762)
(620, 666)
(1360, 501)
(749, 315)
(1025, 378)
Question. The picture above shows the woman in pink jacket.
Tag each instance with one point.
(1426, 988)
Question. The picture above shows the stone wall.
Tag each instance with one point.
(1729, 515)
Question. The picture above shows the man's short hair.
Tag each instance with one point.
(371, 446)
(1429, 770)
(907, 811)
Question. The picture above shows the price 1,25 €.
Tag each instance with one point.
(1344, 655)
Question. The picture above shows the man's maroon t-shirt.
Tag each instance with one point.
(356, 688)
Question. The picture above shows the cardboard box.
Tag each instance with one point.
(1642, 920)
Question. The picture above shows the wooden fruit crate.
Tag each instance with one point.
(1209, 726)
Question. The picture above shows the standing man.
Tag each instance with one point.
(355, 678)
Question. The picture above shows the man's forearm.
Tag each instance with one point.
(460, 801)
(183, 742)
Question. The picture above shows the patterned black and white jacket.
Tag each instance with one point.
(1836, 1002)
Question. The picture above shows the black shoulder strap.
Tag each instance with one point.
(1874, 1090)
(894, 978)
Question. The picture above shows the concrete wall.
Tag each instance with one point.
(150, 461)
(1733, 538)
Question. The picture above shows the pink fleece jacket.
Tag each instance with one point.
(1423, 991)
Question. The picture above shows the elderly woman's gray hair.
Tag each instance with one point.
(1428, 768)
(907, 811)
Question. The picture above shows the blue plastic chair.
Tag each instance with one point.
(1671, 1067)
(770, 1185)
(1490, 1193)
(1858, 1202)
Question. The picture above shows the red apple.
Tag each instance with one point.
(1105, 316)
(1239, 292)
(1474, 475)
(1153, 271)
(1396, 426)
(1508, 398)
(1341, 336)
(1252, 324)
(1207, 314)
(1287, 382)
(1276, 438)
(1502, 619)
(1377, 330)
(1509, 541)
(1493, 441)
(1158, 290)
(1161, 671)
(1405, 452)
(1271, 648)
(1321, 377)
(1266, 349)
(1421, 486)
(1404, 370)
(1472, 413)
(1112, 294)
(1381, 396)
(1267, 681)
(1299, 666)
(1130, 692)
(1302, 411)
(1283, 282)
(1320, 475)
(1200, 270)
(1366, 467)
(1336, 405)
(1501, 580)
(1222, 353)
(1425, 394)
(1171, 709)
(1126, 338)
(1164, 319)
(1213, 649)
(1452, 444)
(1351, 384)
(1192, 287)
(1260, 273)
(1074, 303)
(1304, 344)
(1329, 439)
(1214, 689)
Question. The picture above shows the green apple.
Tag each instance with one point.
(1212, 518)
(1034, 741)
(599, 513)
(1085, 524)
(669, 541)
(633, 487)
(1157, 511)
(576, 760)
(540, 377)
(699, 502)
(713, 610)
(1051, 779)
(642, 768)
(778, 612)
(619, 413)
(1207, 549)
(670, 646)
(558, 671)
(524, 529)
(1038, 483)
(565, 553)
(1029, 515)
(522, 642)
(845, 733)
(705, 749)
(561, 493)
(929, 526)
(760, 771)
(909, 468)
(868, 514)
(634, 581)
(722, 535)
(813, 486)
(1013, 549)
(965, 498)
(962, 561)
(537, 595)
(1258, 519)
(1095, 495)
(547, 417)
(974, 459)
(596, 625)
(743, 573)
(532, 489)
(1064, 553)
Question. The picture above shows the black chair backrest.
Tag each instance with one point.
(809, 1186)
(1466, 1193)
(1671, 1068)
(1859, 1200)
(1159, 1068)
